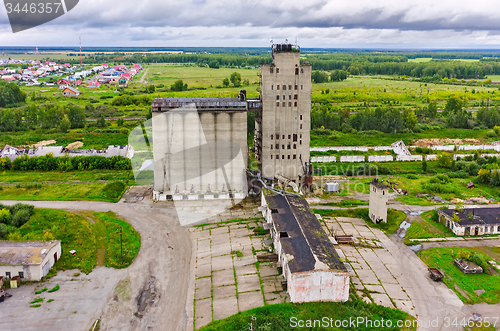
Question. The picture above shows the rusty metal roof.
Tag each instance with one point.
(25, 252)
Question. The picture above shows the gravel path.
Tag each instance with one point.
(163, 261)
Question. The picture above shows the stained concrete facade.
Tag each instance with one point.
(311, 265)
(199, 148)
(29, 260)
(283, 127)
(379, 197)
(472, 222)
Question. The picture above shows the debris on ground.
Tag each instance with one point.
(75, 145)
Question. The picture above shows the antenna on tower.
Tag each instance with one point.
(36, 48)
(81, 62)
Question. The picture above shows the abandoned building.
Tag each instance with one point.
(282, 129)
(471, 222)
(199, 147)
(311, 266)
(30, 260)
(200, 144)
(379, 197)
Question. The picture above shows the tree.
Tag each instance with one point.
(101, 122)
(31, 116)
(444, 160)
(235, 79)
(432, 110)
(65, 124)
(76, 116)
(410, 120)
(179, 86)
(319, 76)
(150, 88)
(338, 75)
(424, 164)
(225, 82)
(454, 104)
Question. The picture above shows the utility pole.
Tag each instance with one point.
(121, 242)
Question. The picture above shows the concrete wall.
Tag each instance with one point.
(352, 158)
(319, 285)
(180, 151)
(323, 159)
(380, 158)
(409, 158)
(285, 121)
(378, 203)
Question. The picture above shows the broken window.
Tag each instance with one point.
(294, 137)
(7, 274)
(300, 119)
(282, 146)
(284, 97)
(277, 104)
(288, 146)
(21, 274)
(272, 87)
(301, 70)
(301, 136)
(301, 126)
(284, 87)
(274, 211)
(289, 136)
(277, 146)
(301, 87)
(277, 87)
(284, 104)
(300, 142)
(294, 156)
(272, 137)
(294, 146)
(283, 234)
(296, 71)
(295, 104)
(277, 157)
(290, 97)
(277, 70)
(271, 70)
(289, 157)
(296, 87)
(289, 104)
(271, 146)
(289, 87)
(282, 157)
(277, 97)
(271, 155)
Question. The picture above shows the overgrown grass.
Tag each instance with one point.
(427, 227)
(347, 203)
(109, 192)
(10, 176)
(279, 316)
(79, 233)
(131, 240)
(394, 217)
(464, 285)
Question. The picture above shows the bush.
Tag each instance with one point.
(412, 176)
(464, 255)
(458, 174)
(481, 261)
(20, 218)
(491, 134)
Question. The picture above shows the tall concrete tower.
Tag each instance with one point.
(283, 127)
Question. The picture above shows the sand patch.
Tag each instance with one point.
(43, 143)
(75, 145)
(444, 141)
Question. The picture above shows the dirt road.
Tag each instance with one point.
(163, 261)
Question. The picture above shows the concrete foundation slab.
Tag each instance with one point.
(225, 307)
(222, 262)
(203, 312)
(250, 300)
(223, 277)
(203, 288)
(224, 291)
(248, 283)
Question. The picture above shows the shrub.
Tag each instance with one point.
(491, 134)
(412, 176)
(464, 255)
(480, 260)
(458, 174)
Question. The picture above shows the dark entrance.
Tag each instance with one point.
(476, 231)
(467, 231)
(55, 257)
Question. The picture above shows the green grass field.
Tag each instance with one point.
(279, 316)
(466, 285)
(10, 176)
(90, 234)
(426, 227)
(63, 192)
(420, 59)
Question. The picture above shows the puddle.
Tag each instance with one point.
(416, 248)
(416, 213)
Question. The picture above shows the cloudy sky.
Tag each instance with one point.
(435, 24)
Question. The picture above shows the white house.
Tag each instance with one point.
(471, 222)
(30, 260)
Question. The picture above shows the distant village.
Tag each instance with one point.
(66, 76)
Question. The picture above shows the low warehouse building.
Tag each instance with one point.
(30, 260)
(471, 222)
(311, 265)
